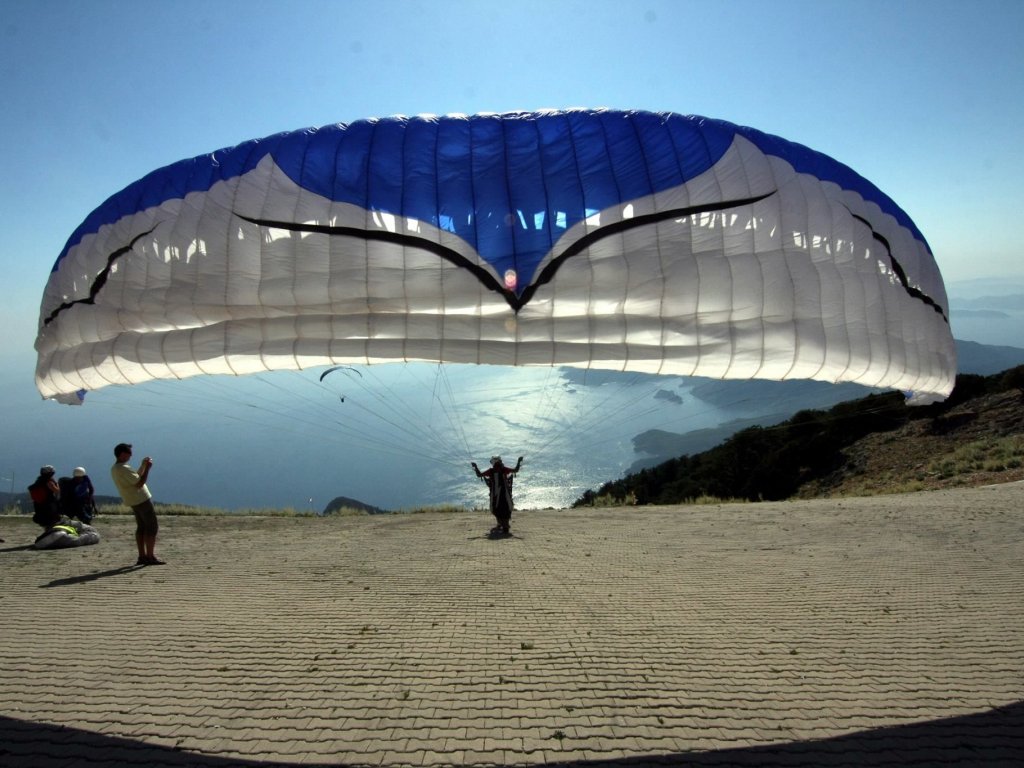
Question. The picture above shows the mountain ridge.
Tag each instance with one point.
(868, 446)
(781, 399)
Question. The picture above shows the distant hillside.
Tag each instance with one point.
(986, 359)
(976, 443)
(343, 502)
(989, 311)
(766, 403)
(876, 444)
(1012, 302)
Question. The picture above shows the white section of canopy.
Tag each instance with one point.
(793, 286)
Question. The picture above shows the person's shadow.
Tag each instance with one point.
(495, 537)
(22, 548)
(91, 576)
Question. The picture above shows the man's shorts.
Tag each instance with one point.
(145, 518)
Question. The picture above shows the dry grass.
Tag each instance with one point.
(980, 443)
(188, 510)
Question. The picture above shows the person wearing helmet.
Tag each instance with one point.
(79, 498)
(45, 494)
(499, 481)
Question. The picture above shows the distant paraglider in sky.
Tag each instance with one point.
(334, 368)
(605, 239)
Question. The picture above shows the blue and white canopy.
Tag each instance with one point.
(593, 238)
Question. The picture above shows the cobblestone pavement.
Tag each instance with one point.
(872, 631)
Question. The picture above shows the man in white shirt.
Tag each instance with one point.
(131, 484)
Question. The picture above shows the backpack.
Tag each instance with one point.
(67, 495)
(39, 493)
(74, 498)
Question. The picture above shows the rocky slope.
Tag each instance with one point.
(978, 442)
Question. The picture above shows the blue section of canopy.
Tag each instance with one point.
(509, 185)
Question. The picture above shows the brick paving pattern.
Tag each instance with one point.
(871, 631)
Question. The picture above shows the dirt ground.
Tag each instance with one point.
(865, 631)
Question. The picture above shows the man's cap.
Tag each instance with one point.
(79, 472)
(121, 448)
(47, 470)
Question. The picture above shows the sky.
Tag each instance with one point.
(924, 98)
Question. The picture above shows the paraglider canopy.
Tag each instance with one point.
(334, 368)
(607, 239)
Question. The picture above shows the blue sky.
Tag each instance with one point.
(925, 99)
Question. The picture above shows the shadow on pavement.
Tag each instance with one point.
(992, 739)
(90, 576)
